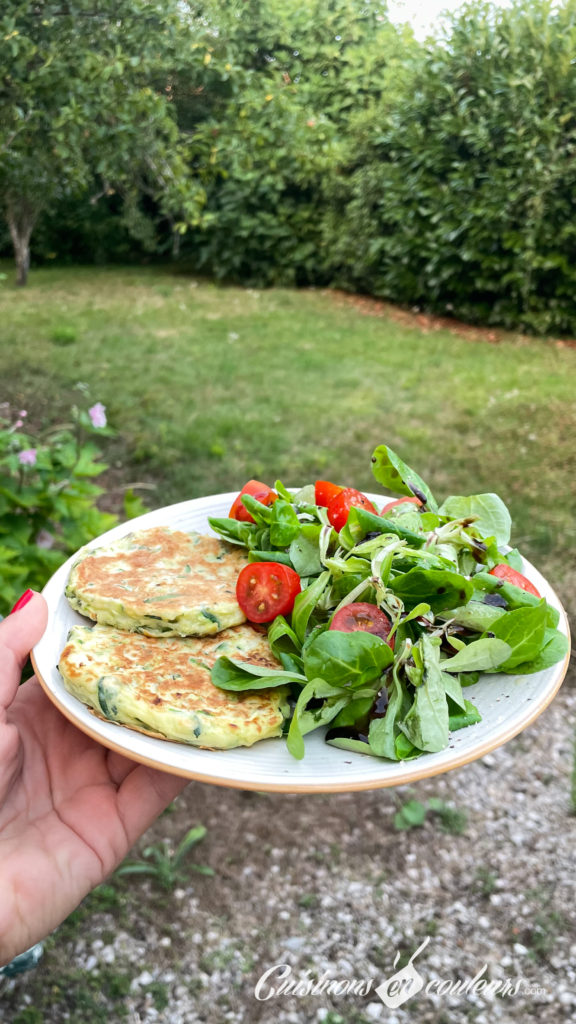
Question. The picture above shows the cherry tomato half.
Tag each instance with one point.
(267, 589)
(324, 491)
(510, 575)
(339, 507)
(367, 617)
(257, 490)
(401, 501)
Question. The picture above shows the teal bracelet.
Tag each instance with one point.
(25, 961)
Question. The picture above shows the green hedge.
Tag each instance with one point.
(334, 149)
(265, 207)
(459, 192)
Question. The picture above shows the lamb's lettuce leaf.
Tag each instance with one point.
(350, 659)
(305, 604)
(304, 550)
(284, 524)
(555, 649)
(233, 674)
(461, 719)
(304, 720)
(523, 630)
(426, 724)
(440, 588)
(476, 615)
(491, 517)
(390, 471)
(360, 522)
(285, 644)
(485, 655)
(236, 532)
(383, 731)
(515, 597)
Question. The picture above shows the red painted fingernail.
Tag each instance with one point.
(26, 596)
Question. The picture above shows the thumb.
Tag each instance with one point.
(18, 634)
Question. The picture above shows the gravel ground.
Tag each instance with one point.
(327, 886)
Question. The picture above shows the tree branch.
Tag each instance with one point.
(8, 142)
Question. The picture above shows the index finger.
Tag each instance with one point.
(18, 634)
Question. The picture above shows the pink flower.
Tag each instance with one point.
(44, 539)
(22, 414)
(18, 424)
(97, 415)
(27, 457)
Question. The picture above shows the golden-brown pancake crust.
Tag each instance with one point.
(160, 582)
(163, 686)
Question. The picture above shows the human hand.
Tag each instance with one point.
(70, 809)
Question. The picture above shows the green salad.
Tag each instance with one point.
(382, 614)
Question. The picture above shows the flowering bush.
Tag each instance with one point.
(47, 497)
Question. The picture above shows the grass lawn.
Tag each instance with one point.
(208, 386)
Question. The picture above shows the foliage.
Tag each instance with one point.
(165, 864)
(264, 205)
(210, 386)
(414, 813)
(74, 229)
(336, 53)
(460, 186)
(296, 72)
(262, 100)
(47, 499)
(485, 882)
(312, 144)
(78, 110)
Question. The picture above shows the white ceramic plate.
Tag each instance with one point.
(507, 703)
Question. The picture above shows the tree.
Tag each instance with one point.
(335, 51)
(77, 105)
(460, 184)
(296, 73)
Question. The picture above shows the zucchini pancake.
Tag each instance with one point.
(163, 687)
(160, 582)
